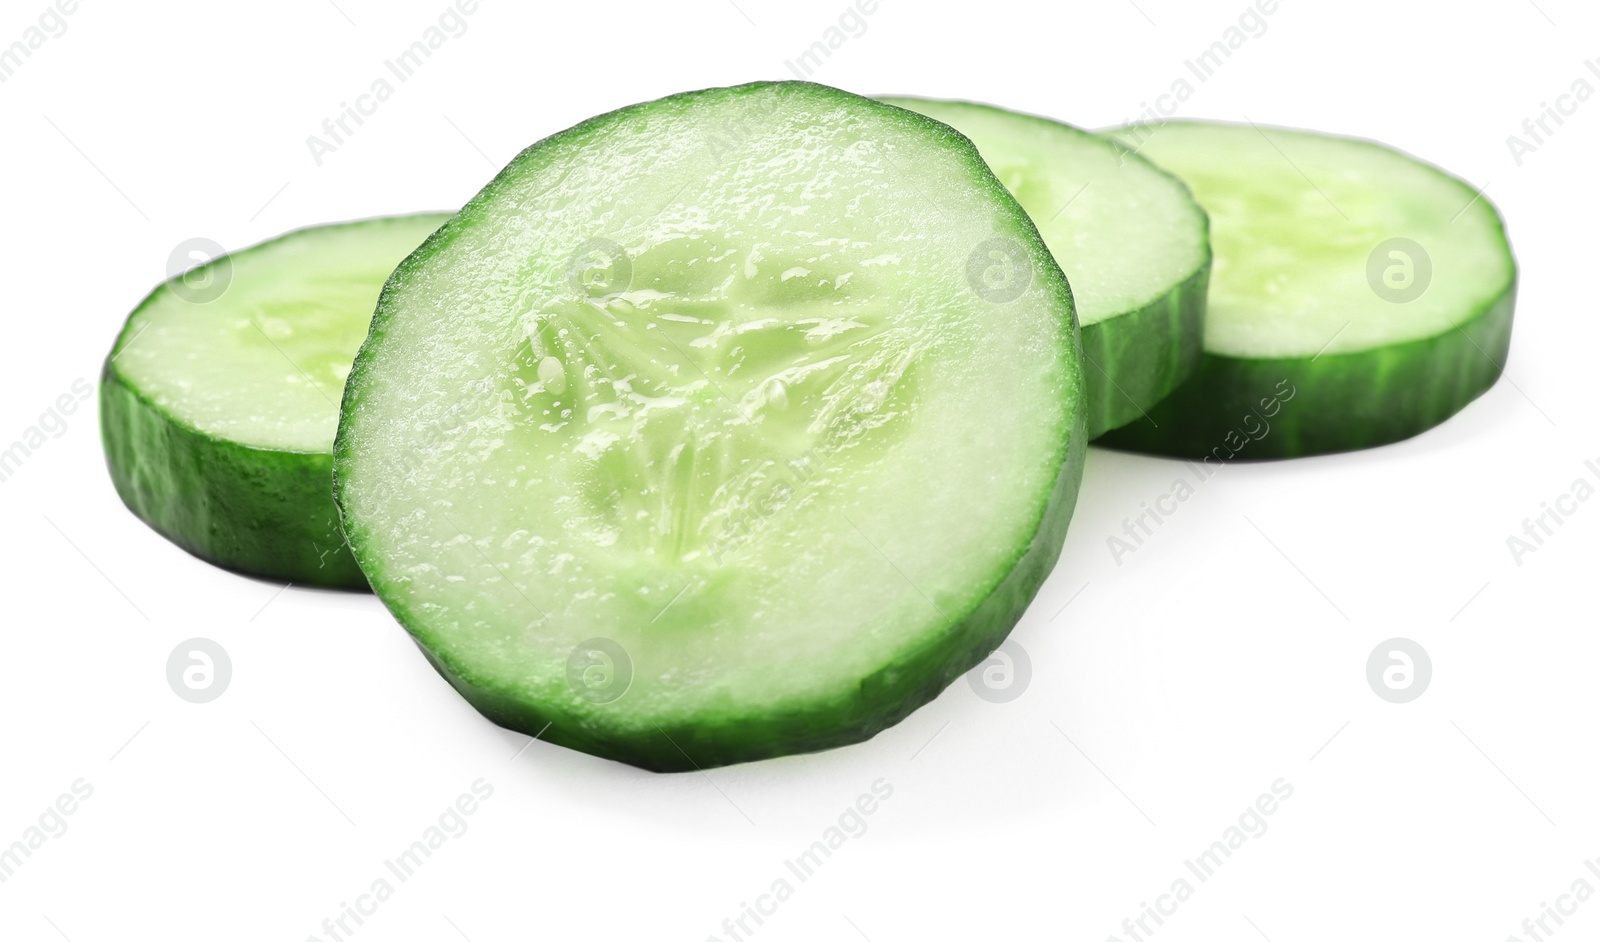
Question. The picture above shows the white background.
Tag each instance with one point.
(1227, 652)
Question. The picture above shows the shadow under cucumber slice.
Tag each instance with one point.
(1129, 237)
(1358, 296)
(689, 441)
(220, 398)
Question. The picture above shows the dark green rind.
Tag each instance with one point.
(1334, 403)
(1134, 358)
(1128, 374)
(1341, 402)
(256, 511)
(883, 698)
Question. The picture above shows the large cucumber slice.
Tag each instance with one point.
(1130, 238)
(220, 398)
(708, 431)
(1359, 296)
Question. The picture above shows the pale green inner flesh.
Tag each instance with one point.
(1294, 219)
(264, 361)
(1124, 232)
(791, 448)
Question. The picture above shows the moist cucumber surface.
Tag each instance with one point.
(1358, 296)
(220, 398)
(1129, 237)
(709, 432)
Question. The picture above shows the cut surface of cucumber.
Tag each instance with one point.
(220, 399)
(707, 431)
(1358, 296)
(1129, 237)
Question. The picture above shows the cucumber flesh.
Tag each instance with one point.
(685, 447)
(1359, 296)
(1129, 237)
(220, 398)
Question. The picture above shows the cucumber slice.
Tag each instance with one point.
(706, 433)
(1130, 238)
(1360, 296)
(220, 399)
